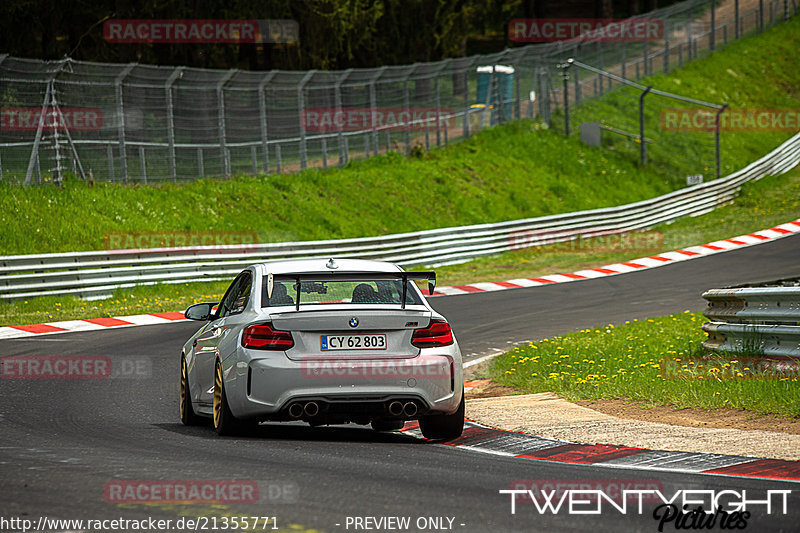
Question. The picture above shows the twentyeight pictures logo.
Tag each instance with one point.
(595, 30)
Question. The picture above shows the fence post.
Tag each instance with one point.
(142, 165)
(201, 168)
(262, 112)
(712, 38)
(121, 127)
(465, 123)
(565, 78)
(38, 138)
(110, 156)
(177, 73)
(373, 109)
(666, 46)
(624, 57)
(223, 149)
(645, 56)
(600, 79)
(760, 16)
(445, 64)
(716, 137)
(643, 148)
(340, 139)
(785, 10)
(736, 18)
(300, 110)
(407, 111)
(689, 35)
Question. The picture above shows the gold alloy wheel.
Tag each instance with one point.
(184, 385)
(217, 395)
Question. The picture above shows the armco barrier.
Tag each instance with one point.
(754, 320)
(98, 273)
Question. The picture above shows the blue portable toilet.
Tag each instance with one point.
(505, 83)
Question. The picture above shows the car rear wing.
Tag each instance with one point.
(405, 277)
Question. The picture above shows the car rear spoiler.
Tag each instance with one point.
(405, 277)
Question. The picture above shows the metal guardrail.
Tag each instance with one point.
(98, 273)
(754, 321)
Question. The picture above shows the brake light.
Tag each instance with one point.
(438, 333)
(264, 337)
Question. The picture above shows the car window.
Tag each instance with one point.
(336, 292)
(237, 296)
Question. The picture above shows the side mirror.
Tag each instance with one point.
(199, 311)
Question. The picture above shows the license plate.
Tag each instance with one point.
(352, 342)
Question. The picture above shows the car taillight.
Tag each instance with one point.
(437, 333)
(264, 337)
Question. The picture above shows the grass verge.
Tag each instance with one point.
(762, 204)
(625, 361)
(517, 170)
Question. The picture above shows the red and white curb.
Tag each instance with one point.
(90, 324)
(524, 446)
(643, 263)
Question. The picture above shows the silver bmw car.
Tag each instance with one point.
(325, 342)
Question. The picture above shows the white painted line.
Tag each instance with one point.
(482, 359)
(524, 282)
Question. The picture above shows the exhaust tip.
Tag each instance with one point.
(410, 409)
(311, 409)
(395, 408)
(295, 410)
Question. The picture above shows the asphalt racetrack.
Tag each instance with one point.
(63, 443)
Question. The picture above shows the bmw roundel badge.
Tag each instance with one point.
(353, 322)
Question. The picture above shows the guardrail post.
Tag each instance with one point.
(712, 38)
(223, 149)
(300, 110)
(643, 147)
(123, 157)
(262, 112)
(177, 73)
(716, 137)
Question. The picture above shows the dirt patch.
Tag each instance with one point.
(665, 414)
(699, 418)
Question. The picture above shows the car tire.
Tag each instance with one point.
(188, 416)
(224, 421)
(443, 427)
(380, 424)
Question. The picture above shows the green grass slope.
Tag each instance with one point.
(513, 171)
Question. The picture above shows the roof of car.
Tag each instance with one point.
(320, 265)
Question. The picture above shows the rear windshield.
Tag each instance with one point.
(337, 292)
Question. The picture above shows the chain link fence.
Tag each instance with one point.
(142, 124)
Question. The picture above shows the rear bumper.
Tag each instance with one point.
(268, 385)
